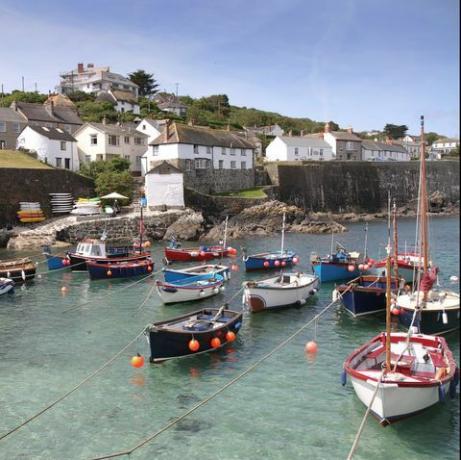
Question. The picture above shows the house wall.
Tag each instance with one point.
(123, 106)
(376, 155)
(49, 149)
(348, 150)
(9, 135)
(278, 150)
(149, 130)
(164, 190)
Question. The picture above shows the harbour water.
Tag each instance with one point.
(291, 406)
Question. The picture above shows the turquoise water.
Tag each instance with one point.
(289, 407)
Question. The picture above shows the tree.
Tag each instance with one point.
(97, 110)
(95, 168)
(20, 96)
(80, 96)
(113, 181)
(146, 82)
(395, 131)
(431, 137)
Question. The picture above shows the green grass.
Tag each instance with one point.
(16, 159)
(256, 192)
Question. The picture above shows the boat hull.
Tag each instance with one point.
(269, 262)
(166, 344)
(195, 254)
(407, 273)
(177, 275)
(430, 322)
(99, 271)
(18, 271)
(56, 262)
(170, 293)
(334, 271)
(6, 285)
(79, 263)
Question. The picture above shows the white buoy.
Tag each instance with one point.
(444, 318)
(335, 295)
(454, 279)
(23, 275)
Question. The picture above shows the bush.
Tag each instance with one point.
(112, 181)
(95, 168)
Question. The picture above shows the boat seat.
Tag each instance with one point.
(375, 353)
(198, 325)
(437, 359)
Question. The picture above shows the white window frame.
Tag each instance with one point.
(63, 146)
(93, 137)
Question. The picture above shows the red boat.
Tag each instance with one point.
(198, 254)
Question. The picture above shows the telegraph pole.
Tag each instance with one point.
(177, 90)
(22, 83)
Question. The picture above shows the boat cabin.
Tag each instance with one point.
(96, 248)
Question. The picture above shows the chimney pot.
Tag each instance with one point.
(80, 67)
(167, 130)
(104, 120)
(350, 130)
(327, 127)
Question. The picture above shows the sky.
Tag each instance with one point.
(361, 63)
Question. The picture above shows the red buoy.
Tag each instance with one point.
(283, 263)
(277, 263)
(295, 260)
(351, 268)
(395, 311)
(109, 273)
(230, 336)
(266, 264)
(194, 345)
(361, 267)
(215, 342)
(149, 268)
(137, 361)
(311, 347)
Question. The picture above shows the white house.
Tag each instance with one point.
(194, 148)
(444, 146)
(270, 130)
(101, 141)
(52, 145)
(164, 186)
(411, 144)
(152, 128)
(382, 151)
(296, 148)
(124, 101)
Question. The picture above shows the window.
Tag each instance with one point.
(93, 139)
(349, 145)
(209, 150)
(221, 164)
(188, 165)
(244, 153)
(232, 151)
(144, 127)
(296, 151)
(139, 141)
(67, 163)
(88, 158)
(202, 163)
(224, 151)
(126, 139)
(138, 160)
(113, 140)
(63, 145)
(58, 162)
(243, 165)
(17, 128)
(195, 148)
(127, 157)
(155, 150)
(233, 165)
(2, 126)
(321, 152)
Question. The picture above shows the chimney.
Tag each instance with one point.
(301, 133)
(49, 106)
(350, 130)
(14, 106)
(80, 67)
(167, 130)
(290, 133)
(104, 120)
(327, 127)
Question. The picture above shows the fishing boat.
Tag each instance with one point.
(284, 290)
(202, 331)
(273, 259)
(365, 294)
(171, 275)
(430, 308)
(19, 270)
(187, 289)
(120, 268)
(398, 374)
(6, 285)
(55, 262)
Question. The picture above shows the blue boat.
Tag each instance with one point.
(204, 271)
(342, 265)
(366, 294)
(55, 262)
(269, 260)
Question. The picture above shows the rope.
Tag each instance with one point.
(33, 417)
(67, 267)
(362, 424)
(217, 392)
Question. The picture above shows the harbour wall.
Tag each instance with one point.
(359, 186)
(35, 185)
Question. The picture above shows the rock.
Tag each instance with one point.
(438, 200)
(188, 227)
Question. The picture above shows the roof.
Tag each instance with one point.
(60, 100)
(446, 139)
(7, 114)
(171, 105)
(164, 168)
(197, 135)
(345, 136)
(56, 134)
(115, 95)
(117, 130)
(301, 141)
(47, 113)
(374, 145)
(157, 124)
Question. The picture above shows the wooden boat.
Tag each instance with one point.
(171, 275)
(19, 270)
(273, 259)
(55, 262)
(279, 291)
(187, 289)
(202, 331)
(201, 253)
(341, 265)
(6, 285)
(365, 294)
(119, 268)
(433, 310)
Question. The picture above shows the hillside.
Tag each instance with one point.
(17, 159)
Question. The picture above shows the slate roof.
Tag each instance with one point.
(345, 136)
(7, 114)
(44, 113)
(56, 134)
(373, 145)
(115, 95)
(164, 168)
(301, 141)
(197, 135)
(117, 130)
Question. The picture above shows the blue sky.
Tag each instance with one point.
(361, 63)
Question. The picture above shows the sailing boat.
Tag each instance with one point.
(399, 374)
(274, 259)
(432, 311)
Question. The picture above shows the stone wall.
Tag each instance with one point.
(35, 185)
(359, 186)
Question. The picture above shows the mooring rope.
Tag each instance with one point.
(219, 391)
(66, 267)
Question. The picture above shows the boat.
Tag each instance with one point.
(400, 374)
(365, 294)
(171, 275)
(55, 262)
(119, 268)
(282, 290)
(6, 285)
(191, 288)
(19, 270)
(271, 260)
(429, 307)
(202, 331)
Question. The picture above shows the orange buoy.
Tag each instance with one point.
(149, 268)
(295, 260)
(266, 264)
(235, 268)
(146, 244)
(215, 342)
(230, 336)
(395, 311)
(283, 263)
(64, 289)
(361, 267)
(109, 273)
(351, 268)
(277, 263)
(137, 361)
(194, 345)
(311, 347)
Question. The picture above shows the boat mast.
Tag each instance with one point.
(396, 241)
(388, 289)
(423, 202)
(365, 252)
(283, 234)
(225, 232)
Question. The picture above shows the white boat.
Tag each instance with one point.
(188, 289)
(279, 291)
(422, 373)
(6, 285)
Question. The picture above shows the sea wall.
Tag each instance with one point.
(359, 186)
(35, 185)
